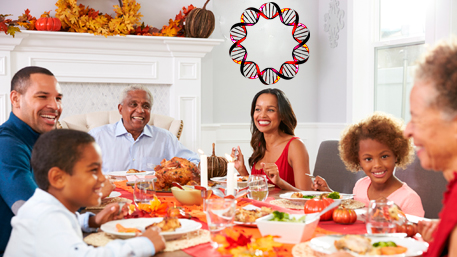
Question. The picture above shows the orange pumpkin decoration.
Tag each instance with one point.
(344, 216)
(48, 24)
(319, 204)
(200, 22)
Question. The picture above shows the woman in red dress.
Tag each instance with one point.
(277, 152)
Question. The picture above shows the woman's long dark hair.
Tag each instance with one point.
(287, 125)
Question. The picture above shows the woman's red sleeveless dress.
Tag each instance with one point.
(286, 172)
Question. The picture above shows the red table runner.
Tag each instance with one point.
(324, 227)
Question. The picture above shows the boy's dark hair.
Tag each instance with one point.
(20, 81)
(60, 148)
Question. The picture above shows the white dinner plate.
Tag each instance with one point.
(140, 223)
(224, 179)
(316, 193)
(361, 215)
(415, 219)
(124, 173)
(326, 244)
(248, 224)
(113, 194)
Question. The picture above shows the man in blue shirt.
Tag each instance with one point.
(132, 144)
(36, 100)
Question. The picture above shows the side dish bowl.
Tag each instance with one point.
(188, 196)
(289, 232)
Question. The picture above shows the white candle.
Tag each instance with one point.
(231, 179)
(203, 169)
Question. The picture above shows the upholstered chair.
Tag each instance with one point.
(86, 122)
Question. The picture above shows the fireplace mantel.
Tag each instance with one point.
(85, 58)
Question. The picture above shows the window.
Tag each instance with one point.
(399, 42)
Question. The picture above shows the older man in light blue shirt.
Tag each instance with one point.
(133, 144)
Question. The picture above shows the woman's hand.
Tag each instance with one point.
(239, 161)
(272, 172)
(426, 229)
(321, 185)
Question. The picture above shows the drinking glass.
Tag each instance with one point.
(378, 219)
(258, 187)
(143, 191)
(220, 214)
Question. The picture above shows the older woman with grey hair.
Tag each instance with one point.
(433, 127)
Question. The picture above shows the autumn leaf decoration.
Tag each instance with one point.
(175, 27)
(8, 25)
(238, 244)
(26, 20)
(154, 207)
(79, 18)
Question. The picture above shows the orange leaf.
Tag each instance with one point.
(46, 15)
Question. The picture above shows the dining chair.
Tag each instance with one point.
(88, 121)
(429, 185)
(330, 166)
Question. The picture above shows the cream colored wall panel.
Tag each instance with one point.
(187, 70)
(3, 66)
(188, 107)
(67, 69)
(3, 108)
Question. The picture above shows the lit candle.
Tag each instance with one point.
(203, 169)
(231, 176)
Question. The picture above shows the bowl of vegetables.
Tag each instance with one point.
(291, 228)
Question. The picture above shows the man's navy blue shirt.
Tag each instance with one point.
(17, 183)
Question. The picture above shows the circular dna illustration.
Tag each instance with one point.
(239, 54)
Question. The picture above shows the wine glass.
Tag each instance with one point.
(220, 214)
(258, 187)
(383, 216)
(143, 191)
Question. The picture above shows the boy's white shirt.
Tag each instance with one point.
(44, 227)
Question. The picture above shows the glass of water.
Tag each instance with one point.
(258, 187)
(143, 191)
(220, 214)
(379, 219)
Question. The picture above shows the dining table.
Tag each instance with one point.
(323, 228)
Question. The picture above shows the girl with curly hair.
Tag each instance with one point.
(377, 146)
(278, 153)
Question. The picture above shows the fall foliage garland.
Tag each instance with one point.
(82, 19)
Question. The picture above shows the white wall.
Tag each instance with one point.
(317, 92)
(332, 69)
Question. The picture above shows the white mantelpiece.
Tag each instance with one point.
(85, 58)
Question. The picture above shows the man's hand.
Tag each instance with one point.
(109, 213)
(157, 240)
(107, 188)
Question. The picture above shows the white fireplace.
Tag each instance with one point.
(93, 69)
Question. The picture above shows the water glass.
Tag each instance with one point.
(220, 214)
(258, 187)
(143, 191)
(378, 219)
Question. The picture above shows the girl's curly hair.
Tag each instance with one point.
(381, 127)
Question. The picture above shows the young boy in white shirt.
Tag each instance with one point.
(67, 168)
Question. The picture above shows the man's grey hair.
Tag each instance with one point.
(134, 87)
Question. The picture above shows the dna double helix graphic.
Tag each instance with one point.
(239, 54)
